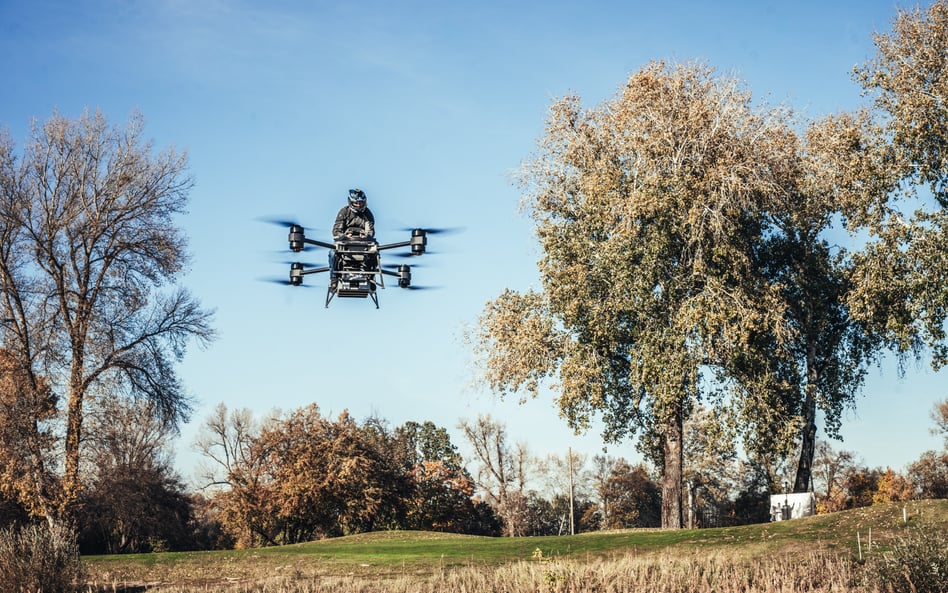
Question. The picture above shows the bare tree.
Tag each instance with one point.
(238, 473)
(226, 440)
(559, 471)
(502, 469)
(940, 416)
(829, 470)
(89, 259)
(564, 478)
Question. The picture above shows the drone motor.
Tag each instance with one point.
(418, 241)
(296, 238)
(404, 276)
(296, 273)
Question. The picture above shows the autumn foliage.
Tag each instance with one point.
(303, 476)
(27, 411)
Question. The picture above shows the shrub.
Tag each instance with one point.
(39, 558)
(918, 563)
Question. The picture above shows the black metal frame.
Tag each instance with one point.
(354, 264)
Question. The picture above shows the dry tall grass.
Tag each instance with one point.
(816, 573)
(39, 558)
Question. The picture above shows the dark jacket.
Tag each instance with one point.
(350, 221)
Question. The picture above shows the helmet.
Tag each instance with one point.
(357, 200)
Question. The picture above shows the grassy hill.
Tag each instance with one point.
(422, 555)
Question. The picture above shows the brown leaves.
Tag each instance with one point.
(27, 409)
(304, 476)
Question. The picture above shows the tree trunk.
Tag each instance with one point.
(71, 483)
(671, 479)
(808, 447)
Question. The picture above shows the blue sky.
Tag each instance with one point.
(429, 107)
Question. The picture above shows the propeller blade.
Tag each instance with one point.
(282, 222)
(279, 221)
(396, 266)
(406, 255)
(283, 282)
(438, 230)
(306, 264)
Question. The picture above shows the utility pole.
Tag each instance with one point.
(572, 520)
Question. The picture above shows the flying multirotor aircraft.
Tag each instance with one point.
(355, 268)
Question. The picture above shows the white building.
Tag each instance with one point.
(784, 507)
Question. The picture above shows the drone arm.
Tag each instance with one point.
(319, 243)
(298, 239)
(417, 242)
(315, 270)
(395, 245)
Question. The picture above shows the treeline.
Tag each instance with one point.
(299, 476)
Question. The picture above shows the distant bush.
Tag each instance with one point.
(917, 563)
(39, 558)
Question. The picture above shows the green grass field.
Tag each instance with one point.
(424, 555)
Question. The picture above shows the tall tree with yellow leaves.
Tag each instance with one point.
(648, 209)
